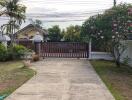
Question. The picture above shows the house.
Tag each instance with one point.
(30, 31)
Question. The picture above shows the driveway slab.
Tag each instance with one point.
(63, 79)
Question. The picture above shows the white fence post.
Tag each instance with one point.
(90, 48)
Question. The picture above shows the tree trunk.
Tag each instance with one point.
(118, 64)
(12, 31)
(11, 34)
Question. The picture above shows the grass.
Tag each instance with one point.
(118, 80)
(13, 75)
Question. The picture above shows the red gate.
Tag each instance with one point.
(64, 50)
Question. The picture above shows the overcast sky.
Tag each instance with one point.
(65, 12)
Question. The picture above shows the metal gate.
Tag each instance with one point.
(64, 49)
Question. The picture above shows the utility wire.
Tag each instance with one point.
(59, 15)
(76, 18)
(115, 2)
(34, 1)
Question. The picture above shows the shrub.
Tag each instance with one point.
(3, 53)
(12, 53)
(126, 60)
(17, 52)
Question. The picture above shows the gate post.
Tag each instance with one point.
(37, 48)
(87, 48)
(90, 48)
(37, 42)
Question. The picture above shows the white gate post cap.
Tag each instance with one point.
(37, 37)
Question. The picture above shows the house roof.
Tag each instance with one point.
(31, 27)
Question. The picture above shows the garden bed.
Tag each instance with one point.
(118, 80)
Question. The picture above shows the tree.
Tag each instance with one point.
(16, 13)
(9, 26)
(109, 29)
(72, 33)
(55, 34)
(36, 22)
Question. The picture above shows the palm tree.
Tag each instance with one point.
(16, 13)
(6, 28)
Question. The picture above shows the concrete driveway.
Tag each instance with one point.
(63, 79)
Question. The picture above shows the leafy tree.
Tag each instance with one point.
(72, 33)
(109, 29)
(55, 34)
(63, 31)
(36, 22)
(15, 11)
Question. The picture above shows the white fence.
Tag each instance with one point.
(128, 52)
(108, 56)
(101, 55)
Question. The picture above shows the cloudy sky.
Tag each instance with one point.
(65, 12)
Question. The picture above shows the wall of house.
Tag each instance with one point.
(29, 34)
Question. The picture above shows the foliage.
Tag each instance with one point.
(18, 51)
(126, 60)
(55, 34)
(13, 9)
(12, 53)
(36, 22)
(16, 12)
(109, 29)
(3, 53)
(93, 28)
(7, 28)
(72, 33)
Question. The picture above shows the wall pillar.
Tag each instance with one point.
(38, 48)
(90, 49)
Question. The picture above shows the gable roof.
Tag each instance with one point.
(31, 27)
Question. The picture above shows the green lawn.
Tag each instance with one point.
(118, 80)
(13, 75)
